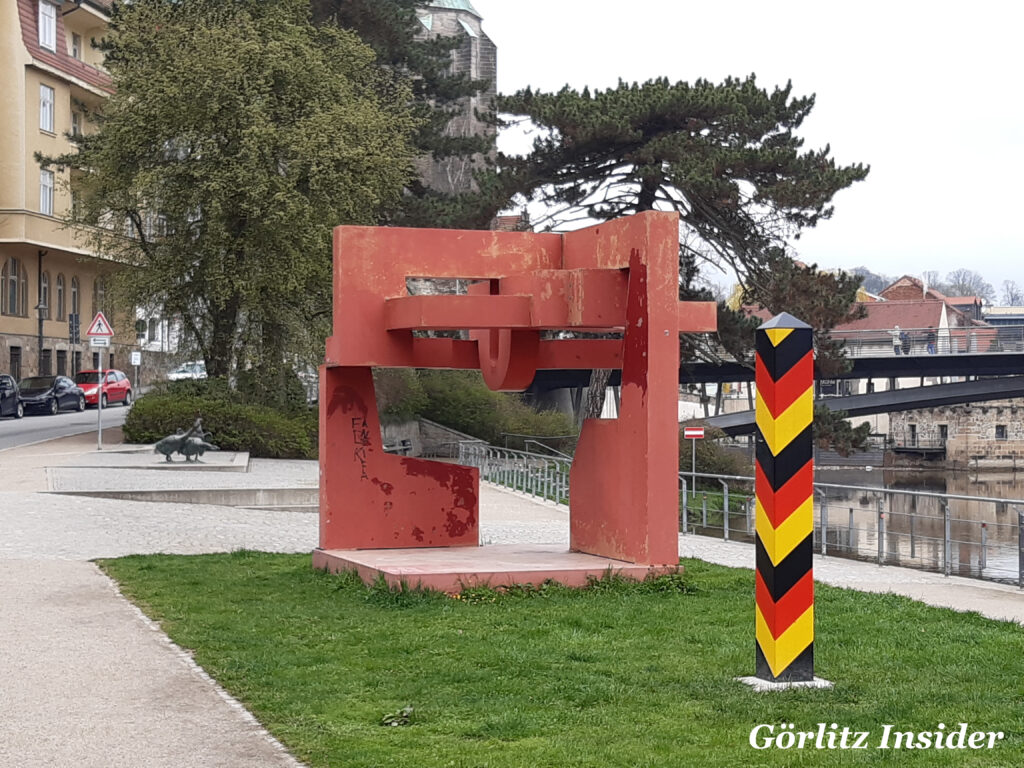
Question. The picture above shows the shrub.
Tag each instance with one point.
(461, 400)
(713, 458)
(235, 426)
(275, 387)
(400, 395)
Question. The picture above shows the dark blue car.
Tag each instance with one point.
(10, 402)
(49, 394)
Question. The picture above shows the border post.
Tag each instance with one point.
(785, 501)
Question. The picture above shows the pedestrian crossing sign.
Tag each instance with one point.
(99, 326)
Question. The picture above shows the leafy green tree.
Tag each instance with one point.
(423, 64)
(237, 137)
(725, 156)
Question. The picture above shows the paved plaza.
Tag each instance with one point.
(90, 681)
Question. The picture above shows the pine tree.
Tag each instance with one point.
(725, 156)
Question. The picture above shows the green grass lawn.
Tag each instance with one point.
(618, 675)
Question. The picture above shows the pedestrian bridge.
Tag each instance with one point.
(956, 352)
(894, 400)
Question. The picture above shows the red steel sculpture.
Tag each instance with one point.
(785, 495)
(617, 276)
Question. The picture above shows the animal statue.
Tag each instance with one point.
(195, 447)
(172, 444)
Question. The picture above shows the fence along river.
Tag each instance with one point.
(961, 524)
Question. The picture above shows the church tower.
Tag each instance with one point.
(476, 57)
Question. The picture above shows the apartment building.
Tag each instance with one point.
(52, 77)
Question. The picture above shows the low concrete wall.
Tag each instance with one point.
(439, 440)
(394, 434)
(427, 438)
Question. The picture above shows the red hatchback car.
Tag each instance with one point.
(116, 387)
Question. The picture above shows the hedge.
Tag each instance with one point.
(235, 426)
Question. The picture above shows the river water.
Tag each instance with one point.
(982, 539)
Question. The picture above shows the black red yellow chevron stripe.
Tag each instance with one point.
(785, 496)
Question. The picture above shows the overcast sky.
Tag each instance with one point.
(927, 94)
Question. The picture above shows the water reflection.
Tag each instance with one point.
(982, 538)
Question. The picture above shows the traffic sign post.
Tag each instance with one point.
(693, 434)
(136, 361)
(99, 334)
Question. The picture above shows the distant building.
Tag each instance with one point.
(476, 57)
(51, 74)
(1004, 316)
(971, 435)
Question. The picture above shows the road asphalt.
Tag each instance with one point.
(89, 681)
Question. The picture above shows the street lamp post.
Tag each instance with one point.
(40, 307)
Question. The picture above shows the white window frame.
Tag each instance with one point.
(46, 102)
(46, 192)
(47, 25)
(76, 123)
(76, 46)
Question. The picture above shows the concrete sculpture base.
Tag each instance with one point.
(450, 569)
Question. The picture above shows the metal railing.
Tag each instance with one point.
(544, 477)
(953, 534)
(983, 339)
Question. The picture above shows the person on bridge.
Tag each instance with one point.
(896, 341)
(930, 340)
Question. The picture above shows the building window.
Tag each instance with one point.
(48, 25)
(75, 302)
(152, 330)
(943, 431)
(46, 363)
(76, 362)
(1000, 431)
(95, 361)
(44, 295)
(60, 297)
(76, 45)
(13, 288)
(46, 108)
(99, 295)
(46, 192)
(62, 362)
(76, 123)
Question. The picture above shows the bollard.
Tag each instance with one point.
(947, 544)
(849, 533)
(704, 510)
(984, 545)
(784, 544)
(913, 549)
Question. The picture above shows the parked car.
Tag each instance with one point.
(49, 394)
(117, 388)
(194, 369)
(10, 400)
